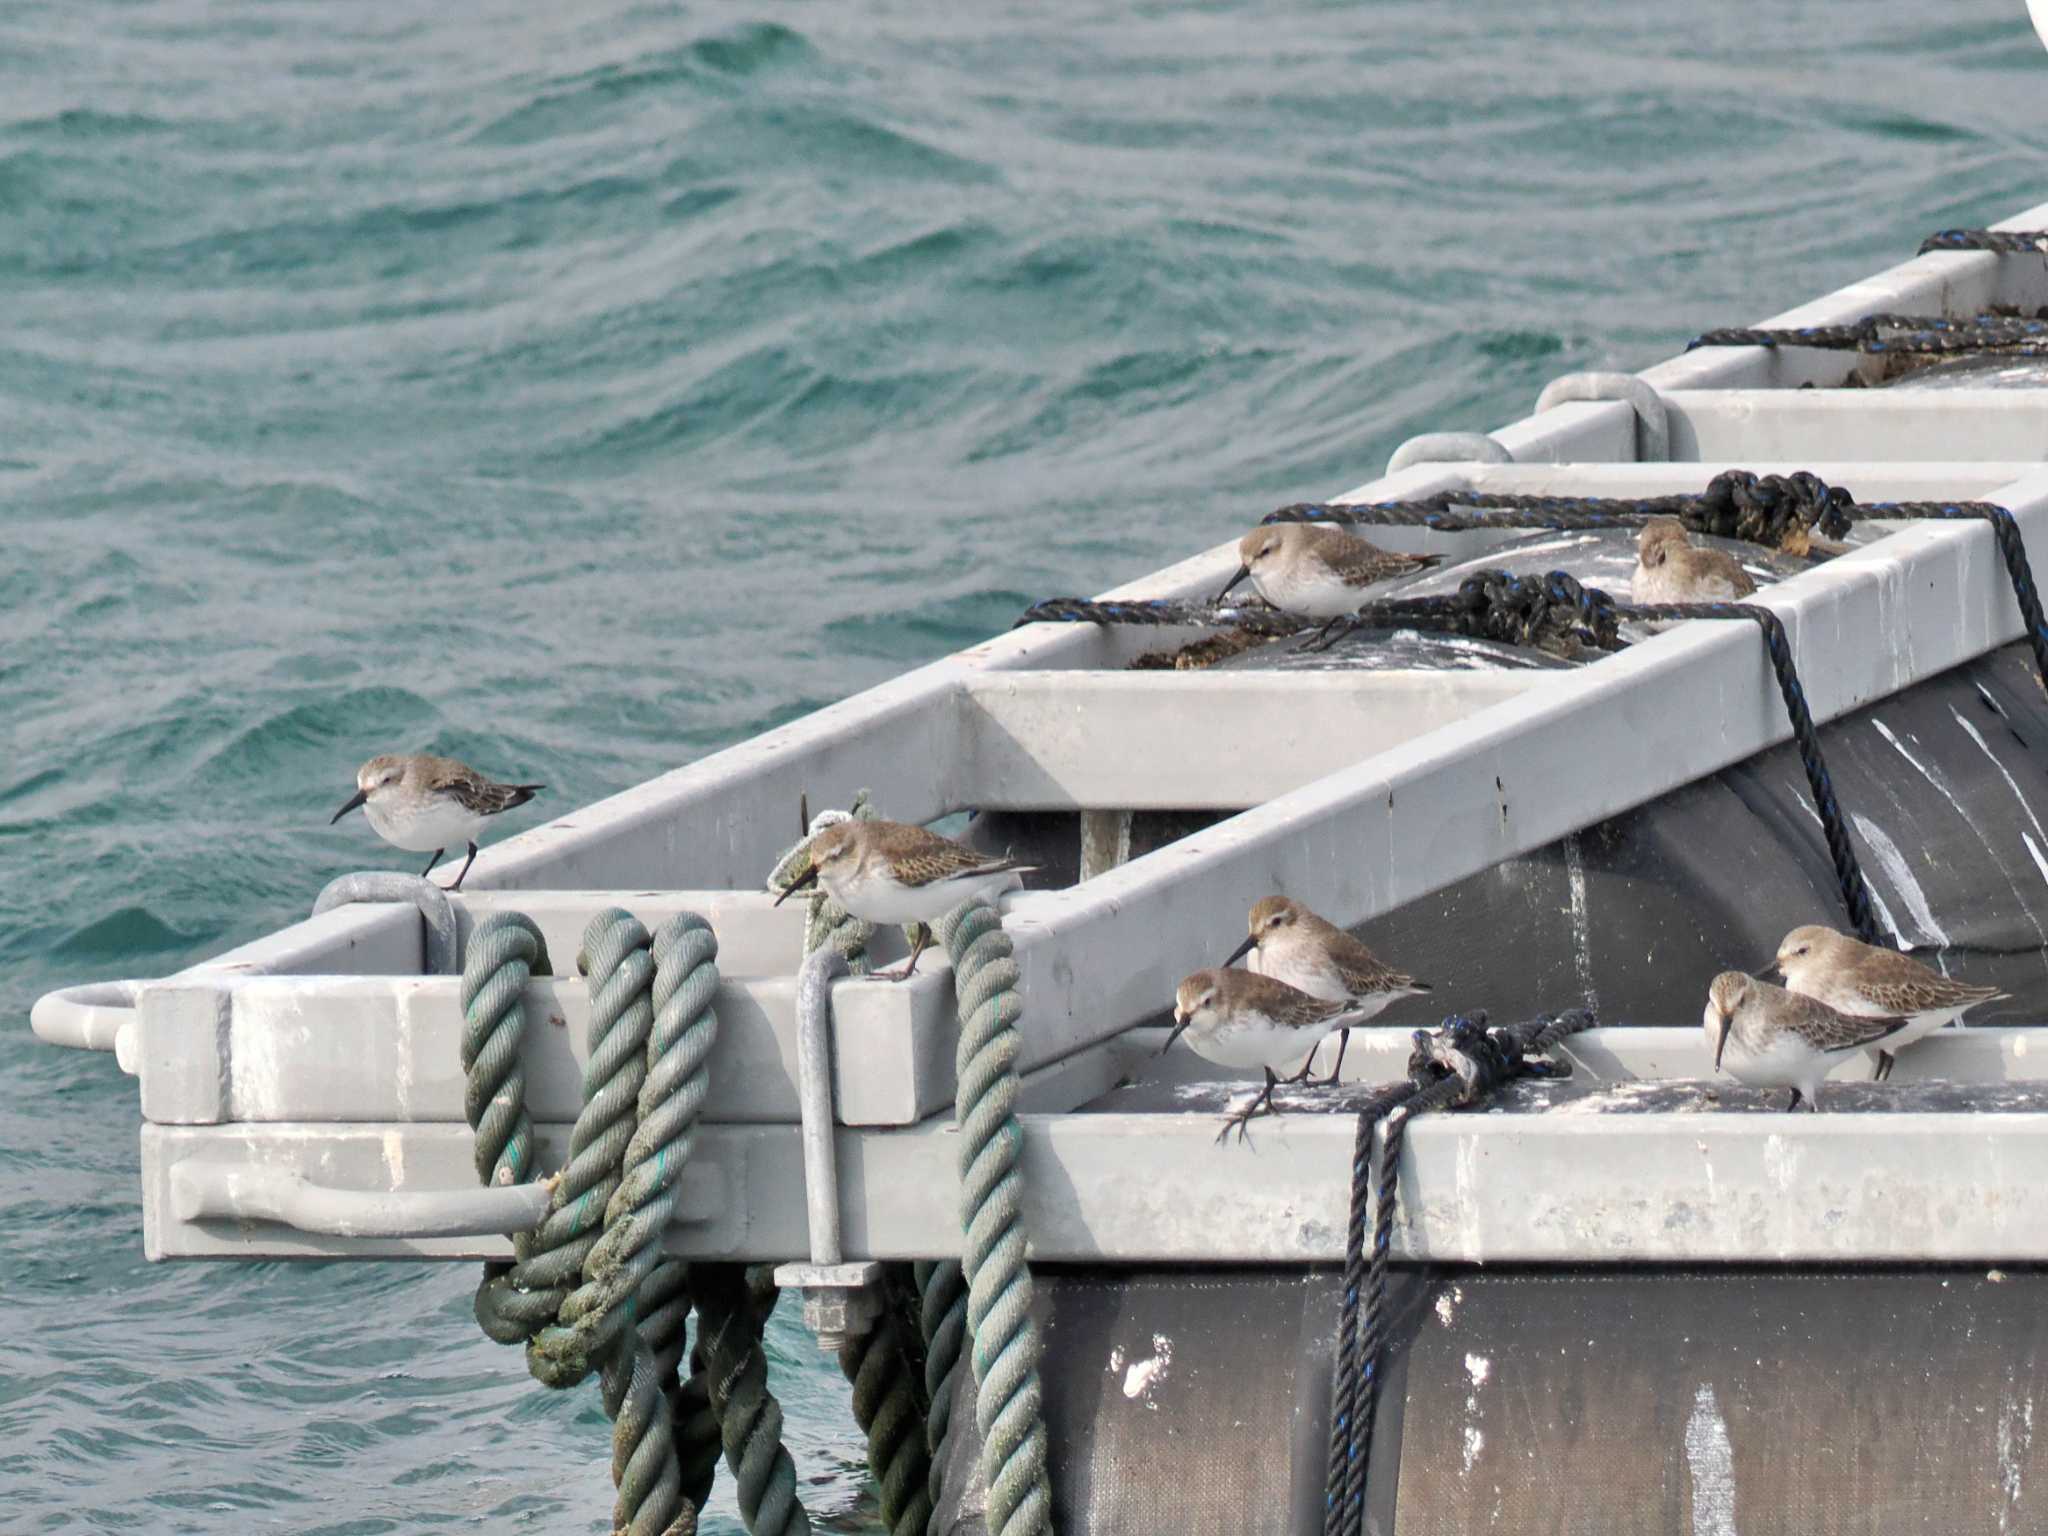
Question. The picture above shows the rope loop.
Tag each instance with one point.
(605, 1300)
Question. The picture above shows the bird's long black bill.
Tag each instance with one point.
(809, 877)
(1720, 1045)
(1237, 954)
(354, 800)
(1179, 1028)
(1242, 572)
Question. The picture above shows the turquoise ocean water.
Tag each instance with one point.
(580, 389)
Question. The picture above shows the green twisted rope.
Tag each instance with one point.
(616, 1176)
(660, 1048)
(729, 1327)
(505, 952)
(942, 1314)
(886, 1368)
(1008, 1397)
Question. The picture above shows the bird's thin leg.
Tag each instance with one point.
(918, 947)
(1885, 1062)
(1307, 1064)
(465, 869)
(434, 859)
(1241, 1121)
(1795, 1102)
(1343, 1040)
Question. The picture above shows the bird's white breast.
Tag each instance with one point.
(878, 898)
(421, 823)
(1249, 1039)
(1309, 588)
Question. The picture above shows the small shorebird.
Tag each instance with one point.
(1291, 944)
(417, 802)
(1867, 982)
(889, 872)
(1669, 569)
(1770, 1038)
(1315, 570)
(1243, 1019)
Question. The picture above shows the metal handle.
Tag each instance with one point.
(88, 1017)
(201, 1189)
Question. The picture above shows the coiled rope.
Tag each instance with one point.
(1460, 1064)
(606, 1299)
(1006, 1343)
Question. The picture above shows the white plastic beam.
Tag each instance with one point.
(1200, 740)
(343, 1049)
(1872, 424)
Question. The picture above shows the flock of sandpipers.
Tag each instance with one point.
(1305, 977)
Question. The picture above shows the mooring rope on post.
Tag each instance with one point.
(1460, 1063)
(1006, 1344)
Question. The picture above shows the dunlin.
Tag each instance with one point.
(1866, 982)
(1770, 1038)
(418, 803)
(1669, 569)
(1292, 944)
(1315, 570)
(889, 872)
(1243, 1019)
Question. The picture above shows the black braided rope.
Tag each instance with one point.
(1551, 612)
(1345, 1372)
(1162, 611)
(1848, 873)
(2005, 242)
(1462, 1062)
(1736, 504)
(1922, 335)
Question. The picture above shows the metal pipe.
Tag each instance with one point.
(201, 1189)
(88, 1017)
(821, 968)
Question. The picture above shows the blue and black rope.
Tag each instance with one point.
(1460, 1063)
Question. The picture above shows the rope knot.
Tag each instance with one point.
(1777, 511)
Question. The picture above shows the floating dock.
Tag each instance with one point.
(1631, 1296)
